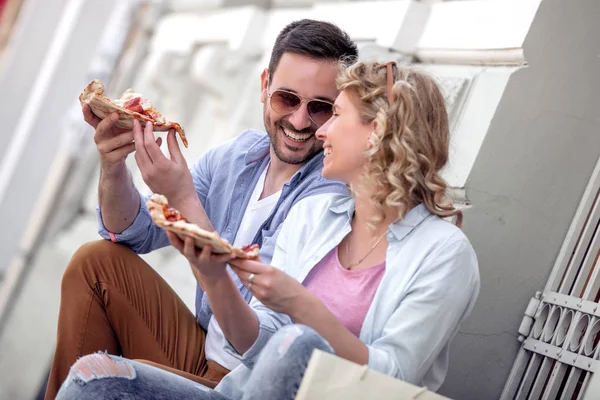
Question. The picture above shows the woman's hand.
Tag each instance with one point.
(271, 286)
(206, 266)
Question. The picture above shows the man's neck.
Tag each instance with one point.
(278, 174)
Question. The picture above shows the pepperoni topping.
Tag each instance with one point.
(250, 247)
(134, 104)
(138, 109)
(171, 214)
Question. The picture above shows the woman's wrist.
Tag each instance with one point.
(303, 306)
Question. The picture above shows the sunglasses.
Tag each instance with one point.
(389, 69)
(284, 103)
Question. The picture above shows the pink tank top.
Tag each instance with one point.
(347, 294)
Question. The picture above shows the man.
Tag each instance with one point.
(112, 300)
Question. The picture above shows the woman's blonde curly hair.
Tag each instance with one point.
(410, 144)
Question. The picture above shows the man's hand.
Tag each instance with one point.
(237, 320)
(206, 266)
(114, 144)
(118, 199)
(271, 286)
(169, 177)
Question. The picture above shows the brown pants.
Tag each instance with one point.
(113, 301)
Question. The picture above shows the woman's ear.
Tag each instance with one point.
(374, 125)
(372, 135)
(370, 140)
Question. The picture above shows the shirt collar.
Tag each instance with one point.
(315, 163)
(399, 230)
(343, 205)
(411, 220)
(260, 150)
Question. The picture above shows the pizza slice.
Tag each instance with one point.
(170, 219)
(129, 106)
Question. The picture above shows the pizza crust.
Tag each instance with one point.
(101, 106)
(201, 237)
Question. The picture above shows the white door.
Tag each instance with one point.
(560, 330)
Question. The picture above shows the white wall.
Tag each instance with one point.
(53, 61)
(525, 186)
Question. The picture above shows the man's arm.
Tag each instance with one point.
(228, 305)
(236, 318)
(169, 177)
(118, 198)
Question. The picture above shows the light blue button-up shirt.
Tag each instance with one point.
(224, 179)
(430, 285)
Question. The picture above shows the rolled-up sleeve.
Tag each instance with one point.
(142, 236)
(269, 322)
(429, 316)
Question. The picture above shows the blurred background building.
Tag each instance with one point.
(521, 78)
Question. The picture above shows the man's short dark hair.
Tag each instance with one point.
(315, 39)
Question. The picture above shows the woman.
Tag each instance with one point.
(379, 278)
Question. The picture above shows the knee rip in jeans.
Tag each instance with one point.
(99, 366)
(292, 333)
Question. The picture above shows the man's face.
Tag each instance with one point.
(293, 135)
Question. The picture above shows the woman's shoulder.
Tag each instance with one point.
(318, 213)
(315, 206)
(446, 242)
(444, 230)
(434, 238)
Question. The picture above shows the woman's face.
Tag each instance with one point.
(345, 140)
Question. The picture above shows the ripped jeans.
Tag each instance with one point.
(275, 376)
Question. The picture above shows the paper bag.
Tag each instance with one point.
(333, 378)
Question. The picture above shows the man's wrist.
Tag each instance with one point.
(216, 280)
(114, 170)
(183, 200)
(189, 204)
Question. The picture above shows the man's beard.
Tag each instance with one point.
(274, 129)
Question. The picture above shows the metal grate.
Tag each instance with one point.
(560, 330)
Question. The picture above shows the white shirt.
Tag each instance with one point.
(257, 211)
(430, 285)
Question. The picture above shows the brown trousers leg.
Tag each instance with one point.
(113, 301)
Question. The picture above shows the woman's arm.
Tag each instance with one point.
(427, 317)
(315, 314)
(419, 327)
(281, 293)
